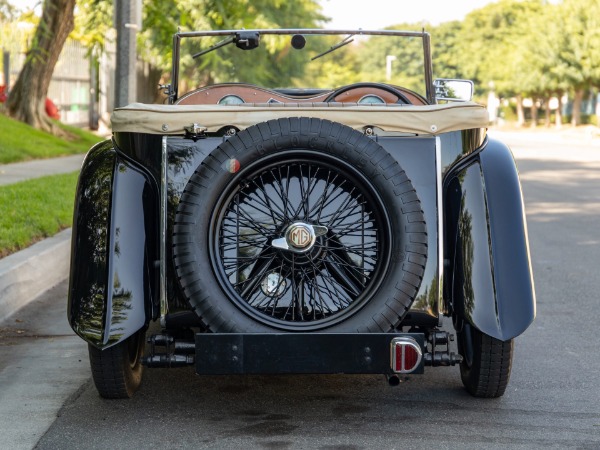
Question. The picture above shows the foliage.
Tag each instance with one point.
(579, 43)
(340, 67)
(407, 67)
(494, 38)
(19, 142)
(533, 47)
(7, 11)
(262, 68)
(15, 35)
(519, 47)
(93, 24)
(539, 67)
(446, 50)
(35, 209)
(162, 19)
(13, 38)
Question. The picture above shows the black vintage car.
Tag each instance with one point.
(300, 229)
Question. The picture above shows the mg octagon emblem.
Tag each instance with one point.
(299, 236)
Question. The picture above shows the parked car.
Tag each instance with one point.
(245, 229)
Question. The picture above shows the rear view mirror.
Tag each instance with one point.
(453, 90)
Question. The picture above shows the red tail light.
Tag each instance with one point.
(405, 355)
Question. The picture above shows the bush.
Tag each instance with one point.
(586, 119)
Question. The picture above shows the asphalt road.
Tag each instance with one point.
(553, 399)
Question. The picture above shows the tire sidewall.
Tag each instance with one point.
(469, 370)
(133, 371)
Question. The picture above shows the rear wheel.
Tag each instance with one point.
(117, 370)
(486, 365)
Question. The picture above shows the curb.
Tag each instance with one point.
(27, 274)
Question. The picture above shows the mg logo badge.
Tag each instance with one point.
(300, 236)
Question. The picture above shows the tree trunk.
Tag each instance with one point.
(27, 99)
(558, 120)
(547, 112)
(520, 112)
(534, 112)
(576, 114)
(147, 83)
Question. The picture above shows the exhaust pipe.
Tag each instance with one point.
(393, 380)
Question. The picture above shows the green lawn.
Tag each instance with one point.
(19, 142)
(34, 209)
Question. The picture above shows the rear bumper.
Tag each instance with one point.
(301, 353)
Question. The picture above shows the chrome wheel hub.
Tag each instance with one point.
(299, 237)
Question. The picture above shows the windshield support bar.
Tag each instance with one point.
(429, 91)
(175, 69)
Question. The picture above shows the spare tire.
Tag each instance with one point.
(300, 224)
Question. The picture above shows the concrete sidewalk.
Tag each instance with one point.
(42, 363)
(15, 172)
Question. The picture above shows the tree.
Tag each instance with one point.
(156, 38)
(407, 67)
(539, 56)
(494, 39)
(93, 24)
(162, 19)
(27, 98)
(448, 60)
(536, 49)
(579, 49)
(7, 11)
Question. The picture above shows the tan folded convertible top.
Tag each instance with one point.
(171, 119)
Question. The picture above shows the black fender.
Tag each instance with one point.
(489, 281)
(111, 293)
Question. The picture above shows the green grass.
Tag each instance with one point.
(20, 142)
(35, 209)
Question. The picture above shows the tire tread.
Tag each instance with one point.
(112, 375)
(492, 363)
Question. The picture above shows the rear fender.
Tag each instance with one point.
(489, 277)
(110, 287)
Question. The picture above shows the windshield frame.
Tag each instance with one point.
(173, 88)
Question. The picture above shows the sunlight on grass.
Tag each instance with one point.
(35, 209)
(20, 142)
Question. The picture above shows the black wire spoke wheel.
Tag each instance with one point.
(301, 239)
(299, 224)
